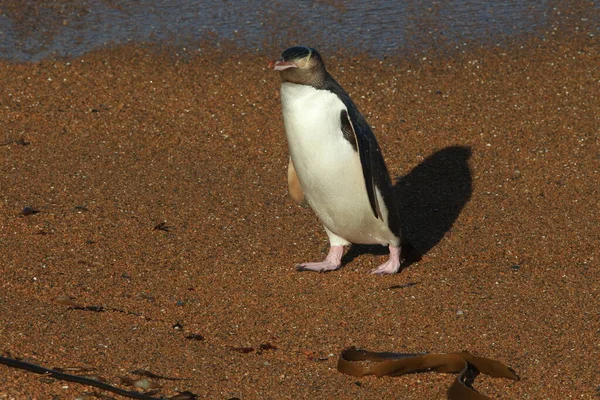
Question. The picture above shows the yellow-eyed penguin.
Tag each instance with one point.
(335, 162)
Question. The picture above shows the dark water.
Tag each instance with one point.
(33, 30)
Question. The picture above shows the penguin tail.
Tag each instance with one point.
(409, 253)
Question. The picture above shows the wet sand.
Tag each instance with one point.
(160, 181)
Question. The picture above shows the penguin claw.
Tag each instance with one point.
(332, 262)
(323, 266)
(392, 265)
(388, 267)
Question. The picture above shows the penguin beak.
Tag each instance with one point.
(280, 65)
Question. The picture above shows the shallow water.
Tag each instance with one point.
(32, 30)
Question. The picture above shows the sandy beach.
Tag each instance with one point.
(156, 187)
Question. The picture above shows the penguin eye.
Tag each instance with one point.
(304, 62)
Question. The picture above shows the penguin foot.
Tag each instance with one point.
(323, 266)
(388, 267)
(392, 265)
(332, 262)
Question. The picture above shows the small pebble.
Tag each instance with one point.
(184, 396)
(177, 326)
(28, 210)
(194, 336)
(145, 383)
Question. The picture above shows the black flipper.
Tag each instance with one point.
(363, 147)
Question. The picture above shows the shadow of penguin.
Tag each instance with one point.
(429, 199)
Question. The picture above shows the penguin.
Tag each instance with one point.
(335, 163)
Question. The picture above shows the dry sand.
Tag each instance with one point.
(160, 181)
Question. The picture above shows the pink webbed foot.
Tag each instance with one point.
(392, 265)
(332, 262)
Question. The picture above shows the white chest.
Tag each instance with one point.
(312, 120)
(327, 165)
(311, 116)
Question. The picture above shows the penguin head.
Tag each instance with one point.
(302, 65)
